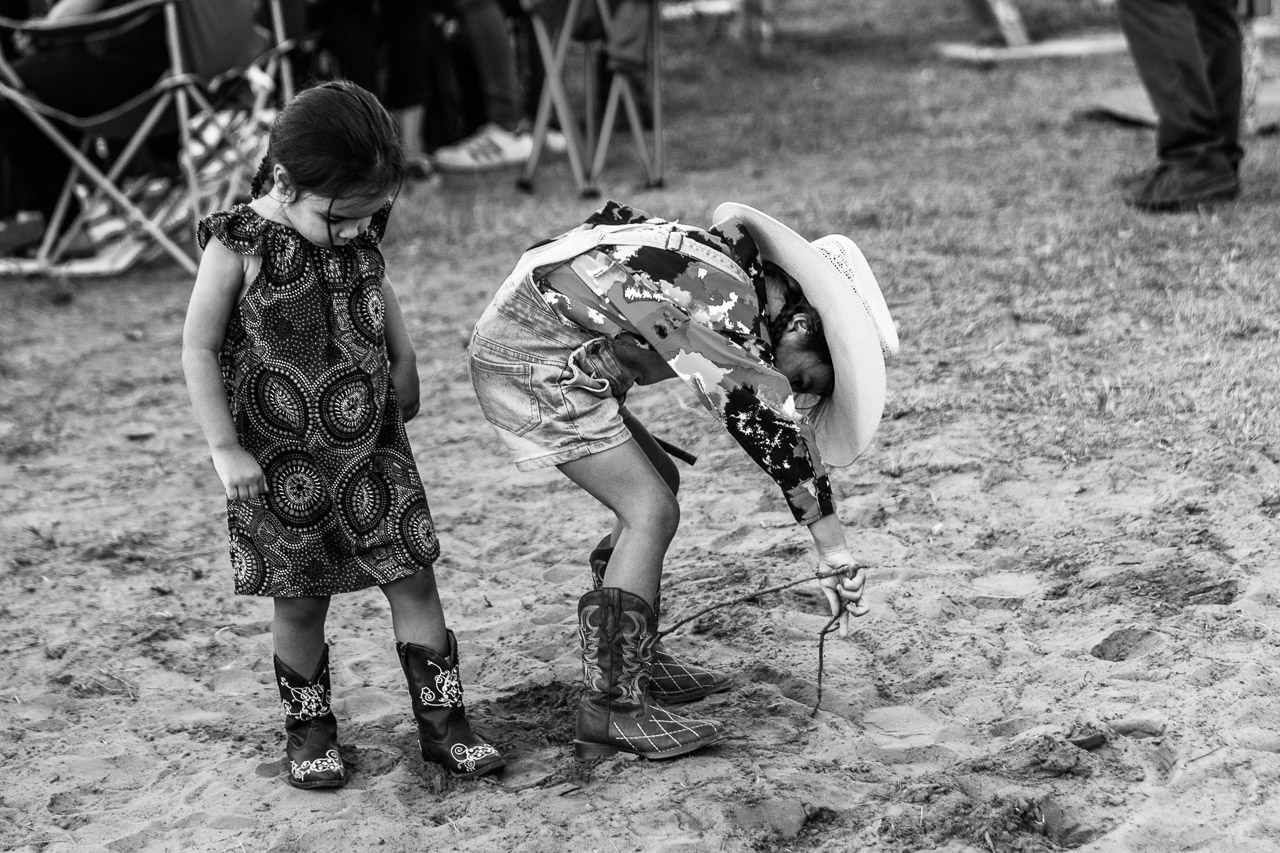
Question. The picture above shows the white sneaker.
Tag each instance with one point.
(490, 147)
(556, 142)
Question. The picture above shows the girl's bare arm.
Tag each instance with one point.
(400, 353)
(219, 281)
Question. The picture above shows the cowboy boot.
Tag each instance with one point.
(673, 680)
(444, 734)
(617, 631)
(311, 730)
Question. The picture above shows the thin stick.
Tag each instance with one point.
(704, 611)
(822, 640)
(822, 635)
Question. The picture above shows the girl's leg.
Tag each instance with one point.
(615, 713)
(416, 614)
(659, 458)
(298, 631)
(429, 657)
(625, 480)
(673, 680)
(302, 678)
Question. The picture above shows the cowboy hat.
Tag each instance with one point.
(839, 284)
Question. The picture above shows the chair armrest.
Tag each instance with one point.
(79, 27)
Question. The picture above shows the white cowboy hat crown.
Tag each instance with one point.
(839, 284)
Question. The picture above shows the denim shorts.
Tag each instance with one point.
(551, 390)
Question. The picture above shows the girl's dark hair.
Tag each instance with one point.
(335, 140)
(815, 341)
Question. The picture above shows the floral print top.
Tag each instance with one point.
(708, 323)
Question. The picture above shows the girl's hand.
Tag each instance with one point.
(844, 590)
(241, 474)
(404, 378)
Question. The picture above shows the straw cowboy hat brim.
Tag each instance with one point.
(838, 282)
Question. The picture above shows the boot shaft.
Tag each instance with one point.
(304, 699)
(434, 684)
(599, 562)
(311, 729)
(444, 734)
(672, 680)
(617, 631)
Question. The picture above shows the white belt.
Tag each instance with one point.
(668, 236)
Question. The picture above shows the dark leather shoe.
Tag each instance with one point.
(1174, 187)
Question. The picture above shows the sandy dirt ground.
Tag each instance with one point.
(1058, 654)
(1065, 650)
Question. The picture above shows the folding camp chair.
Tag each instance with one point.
(553, 52)
(212, 48)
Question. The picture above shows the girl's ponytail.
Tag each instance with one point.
(335, 140)
(260, 178)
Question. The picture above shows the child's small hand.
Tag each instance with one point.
(844, 590)
(404, 378)
(241, 474)
(409, 407)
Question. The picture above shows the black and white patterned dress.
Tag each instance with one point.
(304, 364)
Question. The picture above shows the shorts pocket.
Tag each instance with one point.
(505, 392)
(593, 368)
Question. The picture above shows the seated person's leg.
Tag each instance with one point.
(628, 41)
(19, 226)
(37, 170)
(350, 34)
(79, 83)
(410, 47)
(626, 52)
(503, 141)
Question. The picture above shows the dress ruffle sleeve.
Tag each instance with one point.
(239, 229)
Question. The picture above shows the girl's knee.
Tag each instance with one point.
(659, 516)
(301, 611)
(419, 586)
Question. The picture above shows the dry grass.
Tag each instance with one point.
(1024, 289)
(1022, 286)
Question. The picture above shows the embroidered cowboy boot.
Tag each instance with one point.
(617, 631)
(673, 680)
(444, 734)
(311, 729)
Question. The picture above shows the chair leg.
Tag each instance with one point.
(554, 96)
(622, 90)
(656, 177)
(621, 95)
(101, 181)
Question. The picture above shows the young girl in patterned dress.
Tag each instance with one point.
(302, 374)
(752, 317)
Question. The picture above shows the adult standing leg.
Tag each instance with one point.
(1182, 51)
(1221, 35)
